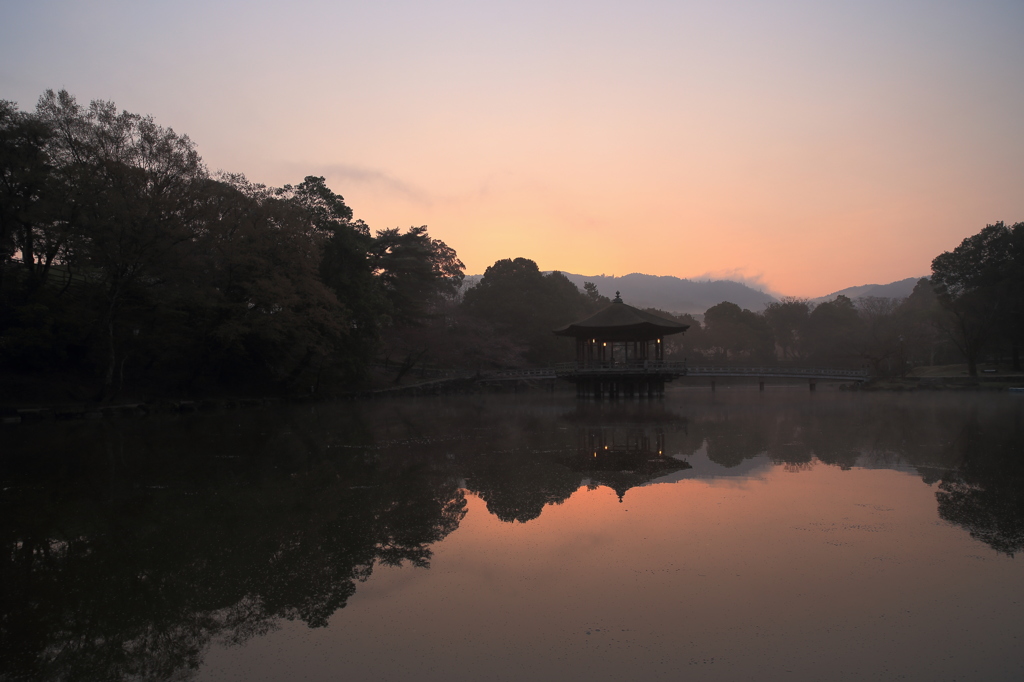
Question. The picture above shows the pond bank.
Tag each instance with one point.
(982, 383)
(13, 414)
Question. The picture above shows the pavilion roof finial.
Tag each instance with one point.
(618, 299)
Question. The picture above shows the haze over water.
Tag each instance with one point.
(782, 535)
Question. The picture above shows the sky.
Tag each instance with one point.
(802, 146)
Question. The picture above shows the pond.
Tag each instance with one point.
(734, 535)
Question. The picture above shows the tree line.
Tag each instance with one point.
(123, 260)
(970, 309)
(126, 266)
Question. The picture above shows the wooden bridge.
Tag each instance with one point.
(624, 379)
(629, 379)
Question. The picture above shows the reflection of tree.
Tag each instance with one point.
(517, 486)
(880, 432)
(992, 512)
(732, 440)
(112, 575)
(128, 547)
(985, 494)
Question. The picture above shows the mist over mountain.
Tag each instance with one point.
(678, 295)
(900, 289)
(672, 294)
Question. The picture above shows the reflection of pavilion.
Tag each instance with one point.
(623, 458)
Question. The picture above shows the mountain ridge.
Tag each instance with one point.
(680, 295)
(898, 289)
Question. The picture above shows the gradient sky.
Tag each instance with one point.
(808, 146)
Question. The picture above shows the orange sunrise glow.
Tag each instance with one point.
(807, 147)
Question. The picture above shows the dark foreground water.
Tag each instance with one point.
(737, 536)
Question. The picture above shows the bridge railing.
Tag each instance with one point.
(535, 372)
(683, 368)
(678, 369)
(769, 370)
(618, 366)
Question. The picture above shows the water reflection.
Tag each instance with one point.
(984, 493)
(127, 550)
(620, 447)
(130, 546)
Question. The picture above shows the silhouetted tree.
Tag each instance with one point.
(973, 287)
(1012, 325)
(597, 301)
(679, 347)
(731, 329)
(788, 320)
(415, 272)
(833, 328)
(257, 300)
(522, 302)
(880, 340)
(924, 344)
(28, 209)
(176, 279)
(136, 205)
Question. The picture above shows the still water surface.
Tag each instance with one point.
(729, 536)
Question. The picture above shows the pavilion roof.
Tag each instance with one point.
(622, 322)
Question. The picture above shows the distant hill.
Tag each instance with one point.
(672, 294)
(677, 295)
(900, 289)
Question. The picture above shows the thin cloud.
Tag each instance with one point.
(374, 178)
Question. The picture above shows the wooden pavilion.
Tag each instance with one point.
(620, 351)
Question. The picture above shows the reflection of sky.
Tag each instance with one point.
(756, 468)
(817, 576)
(249, 514)
(704, 468)
(674, 138)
